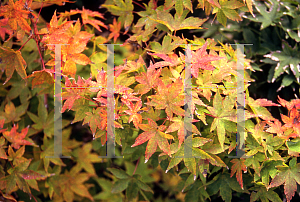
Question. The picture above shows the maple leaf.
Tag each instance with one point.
(170, 98)
(72, 94)
(223, 112)
(135, 113)
(292, 121)
(12, 60)
(85, 159)
(147, 80)
(263, 194)
(237, 167)
(56, 32)
(16, 138)
(19, 175)
(179, 126)
(3, 28)
(267, 18)
(41, 77)
(71, 54)
(96, 119)
(114, 30)
(169, 60)
(191, 161)
(225, 184)
(177, 22)
(12, 113)
(287, 58)
(289, 176)
(16, 15)
(227, 10)
(2, 151)
(154, 134)
(121, 8)
(201, 60)
(87, 17)
(68, 184)
(289, 105)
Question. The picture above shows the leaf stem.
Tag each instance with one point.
(136, 165)
(143, 7)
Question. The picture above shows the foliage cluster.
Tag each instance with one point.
(151, 106)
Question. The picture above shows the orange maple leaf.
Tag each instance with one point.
(114, 30)
(16, 15)
(135, 113)
(154, 134)
(16, 138)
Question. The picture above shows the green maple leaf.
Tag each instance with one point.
(191, 162)
(19, 175)
(165, 48)
(227, 10)
(268, 169)
(154, 134)
(105, 194)
(121, 8)
(267, 18)
(177, 22)
(132, 184)
(44, 121)
(261, 193)
(225, 184)
(223, 112)
(289, 176)
(288, 60)
(85, 159)
(169, 97)
(48, 148)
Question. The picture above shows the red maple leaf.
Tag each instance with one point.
(16, 138)
(154, 134)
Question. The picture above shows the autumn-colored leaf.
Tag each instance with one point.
(4, 28)
(17, 138)
(179, 125)
(201, 60)
(170, 98)
(154, 134)
(16, 14)
(237, 167)
(135, 113)
(96, 119)
(12, 60)
(2, 151)
(114, 30)
(289, 176)
(74, 90)
(147, 80)
(85, 159)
